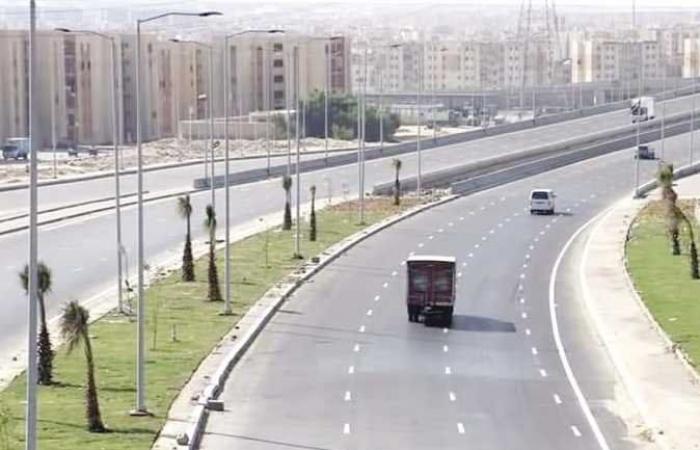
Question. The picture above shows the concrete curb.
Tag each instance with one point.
(199, 415)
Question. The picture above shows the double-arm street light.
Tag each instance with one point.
(380, 111)
(210, 109)
(115, 144)
(140, 408)
(227, 193)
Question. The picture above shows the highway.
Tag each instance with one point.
(340, 366)
(81, 252)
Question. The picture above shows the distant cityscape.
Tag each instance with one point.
(515, 49)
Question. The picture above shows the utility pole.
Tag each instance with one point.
(31, 397)
(297, 240)
(364, 137)
(419, 80)
(53, 107)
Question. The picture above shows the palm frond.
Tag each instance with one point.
(287, 182)
(44, 278)
(210, 221)
(184, 206)
(74, 325)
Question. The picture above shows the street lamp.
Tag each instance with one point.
(115, 145)
(210, 108)
(140, 409)
(419, 80)
(227, 190)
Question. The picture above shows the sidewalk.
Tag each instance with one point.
(663, 387)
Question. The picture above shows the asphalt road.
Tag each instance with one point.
(340, 367)
(182, 177)
(81, 252)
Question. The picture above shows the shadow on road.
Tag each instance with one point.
(268, 442)
(481, 324)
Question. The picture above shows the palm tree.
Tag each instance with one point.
(74, 330)
(669, 197)
(45, 350)
(213, 274)
(693, 251)
(184, 207)
(287, 185)
(396, 162)
(312, 219)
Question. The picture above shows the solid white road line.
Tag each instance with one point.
(583, 403)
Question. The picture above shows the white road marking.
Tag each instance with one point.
(527, 256)
(493, 203)
(524, 265)
(450, 224)
(549, 225)
(507, 219)
(445, 330)
(459, 274)
(583, 403)
(348, 396)
(521, 287)
(516, 214)
(543, 373)
(410, 254)
(575, 430)
(482, 208)
(376, 298)
(522, 276)
(461, 218)
(362, 329)
(403, 263)
(356, 348)
(470, 255)
(476, 245)
(471, 213)
(445, 348)
(464, 264)
(532, 247)
(448, 370)
(523, 315)
(534, 351)
(527, 331)
(440, 230)
(483, 238)
(420, 245)
(453, 397)
(346, 428)
(77, 269)
(536, 239)
(369, 312)
(557, 399)
(394, 273)
(351, 370)
(491, 231)
(430, 237)
(385, 284)
(522, 300)
(542, 233)
(460, 428)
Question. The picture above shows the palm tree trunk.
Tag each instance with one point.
(44, 348)
(92, 405)
(397, 189)
(214, 289)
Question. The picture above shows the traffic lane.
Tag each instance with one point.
(182, 177)
(336, 305)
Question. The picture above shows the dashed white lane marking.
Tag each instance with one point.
(524, 265)
(77, 269)
(453, 397)
(394, 273)
(532, 247)
(448, 370)
(104, 259)
(476, 245)
(450, 224)
(482, 208)
(549, 225)
(420, 245)
(376, 298)
(507, 219)
(348, 396)
(557, 399)
(500, 225)
(440, 230)
(483, 238)
(369, 312)
(522, 276)
(527, 256)
(464, 264)
(522, 300)
(445, 330)
(385, 284)
(575, 430)
(410, 254)
(460, 428)
(430, 237)
(542, 233)
(543, 373)
(471, 213)
(346, 428)
(351, 370)
(362, 329)
(470, 255)
(536, 239)
(528, 332)
(459, 274)
(403, 263)
(461, 218)
(356, 348)
(491, 231)
(534, 351)
(445, 348)
(523, 315)
(521, 287)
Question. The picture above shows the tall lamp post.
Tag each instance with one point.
(227, 190)
(210, 108)
(381, 99)
(140, 408)
(115, 147)
(419, 80)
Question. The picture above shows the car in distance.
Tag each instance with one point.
(542, 201)
(16, 148)
(431, 288)
(645, 152)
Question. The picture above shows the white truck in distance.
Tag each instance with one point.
(642, 109)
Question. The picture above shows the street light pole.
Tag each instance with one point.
(325, 95)
(53, 107)
(210, 105)
(297, 240)
(419, 80)
(140, 409)
(31, 393)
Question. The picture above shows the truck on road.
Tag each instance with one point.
(642, 109)
(431, 288)
(16, 148)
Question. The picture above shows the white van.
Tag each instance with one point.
(542, 201)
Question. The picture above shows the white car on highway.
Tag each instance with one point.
(542, 201)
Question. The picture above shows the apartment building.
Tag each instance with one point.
(691, 57)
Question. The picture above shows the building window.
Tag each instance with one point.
(279, 79)
(277, 47)
(278, 63)
(279, 95)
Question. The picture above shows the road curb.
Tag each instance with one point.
(276, 296)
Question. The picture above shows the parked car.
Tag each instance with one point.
(16, 148)
(542, 201)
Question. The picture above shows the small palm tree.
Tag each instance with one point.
(312, 219)
(184, 207)
(287, 185)
(45, 350)
(396, 162)
(74, 330)
(669, 197)
(213, 274)
(693, 251)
